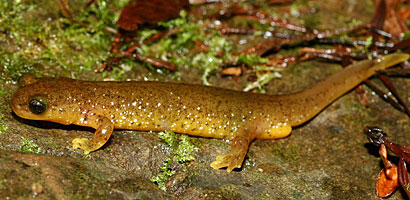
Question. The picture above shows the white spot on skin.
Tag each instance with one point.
(104, 131)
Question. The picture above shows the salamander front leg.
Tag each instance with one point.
(239, 149)
(104, 128)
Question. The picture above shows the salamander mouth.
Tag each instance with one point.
(18, 106)
(14, 105)
(17, 109)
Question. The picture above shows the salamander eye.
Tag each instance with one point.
(38, 104)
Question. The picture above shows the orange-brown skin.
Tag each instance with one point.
(184, 108)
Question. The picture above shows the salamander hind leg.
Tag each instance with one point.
(104, 128)
(239, 149)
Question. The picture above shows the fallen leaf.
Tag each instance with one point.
(387, 17)
(387, 182)
(138, 12)
(232, 71)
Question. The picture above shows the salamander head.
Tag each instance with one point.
(37, 98)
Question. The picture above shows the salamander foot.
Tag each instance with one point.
(231, 161)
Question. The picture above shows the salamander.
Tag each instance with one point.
(184, 108)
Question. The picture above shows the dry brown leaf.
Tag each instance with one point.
(387, 182)
(138, 12)
(232, 71)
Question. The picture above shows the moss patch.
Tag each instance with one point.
(28, 146)
(182, 150)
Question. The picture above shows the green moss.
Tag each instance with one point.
(2, 93)
(289, 152)
(162, 177)
(117, 73)
(262, 80)
(406, 35)
(14, 65)
(294, 10)
(35, 38)
(355, 22)
(182, 150)
(29, 146)
(169, 137)
(177, 49)
(311, 21)
(251, 60)
(3, 127)
(368, 45)
(260, 68)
